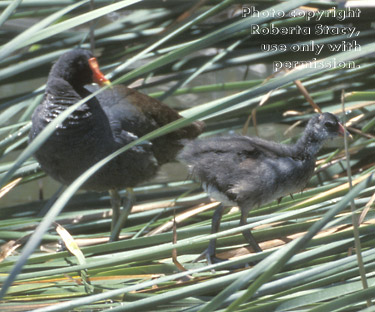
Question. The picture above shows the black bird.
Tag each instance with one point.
(102, 125)
(249, 171)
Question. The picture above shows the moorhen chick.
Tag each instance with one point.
(102, 125)
(249, 171)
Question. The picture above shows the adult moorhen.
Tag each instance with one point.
(249, 171)
(102, 125)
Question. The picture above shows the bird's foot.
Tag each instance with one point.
(209, 256)
(212, 259)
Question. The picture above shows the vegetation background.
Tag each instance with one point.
(200, 57)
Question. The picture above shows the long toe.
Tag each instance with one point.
(251, 241)
(209, 256)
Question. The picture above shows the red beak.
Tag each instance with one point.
(97, 76)
(342, 131)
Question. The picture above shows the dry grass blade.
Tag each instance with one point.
(253, 113)
(189, 12)
(354, 107)
(366, 209)
(293, 126)
(330, 193)
(9, 247)
(307, 96)
(7, 188)
(361, 133)
(73, 248)
(183, 216)
(177, 263)
(355, 221)
(252, 117)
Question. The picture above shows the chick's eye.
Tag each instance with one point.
(330, 125)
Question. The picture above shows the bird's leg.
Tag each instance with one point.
(119, 217)
(50, 202)
(116, 205)
(215, 226)
(210, 252)
(247, 233)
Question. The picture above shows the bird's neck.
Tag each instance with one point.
(308, 146)
(58, 97)
(60, 93)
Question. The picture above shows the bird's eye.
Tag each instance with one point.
(330, 125)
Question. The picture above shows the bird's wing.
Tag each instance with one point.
(218, 162)
(272, 149)
(211, 158)
(247, 147)
(145, 112)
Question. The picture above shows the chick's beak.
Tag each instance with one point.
(97, 75)
(342, 131)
